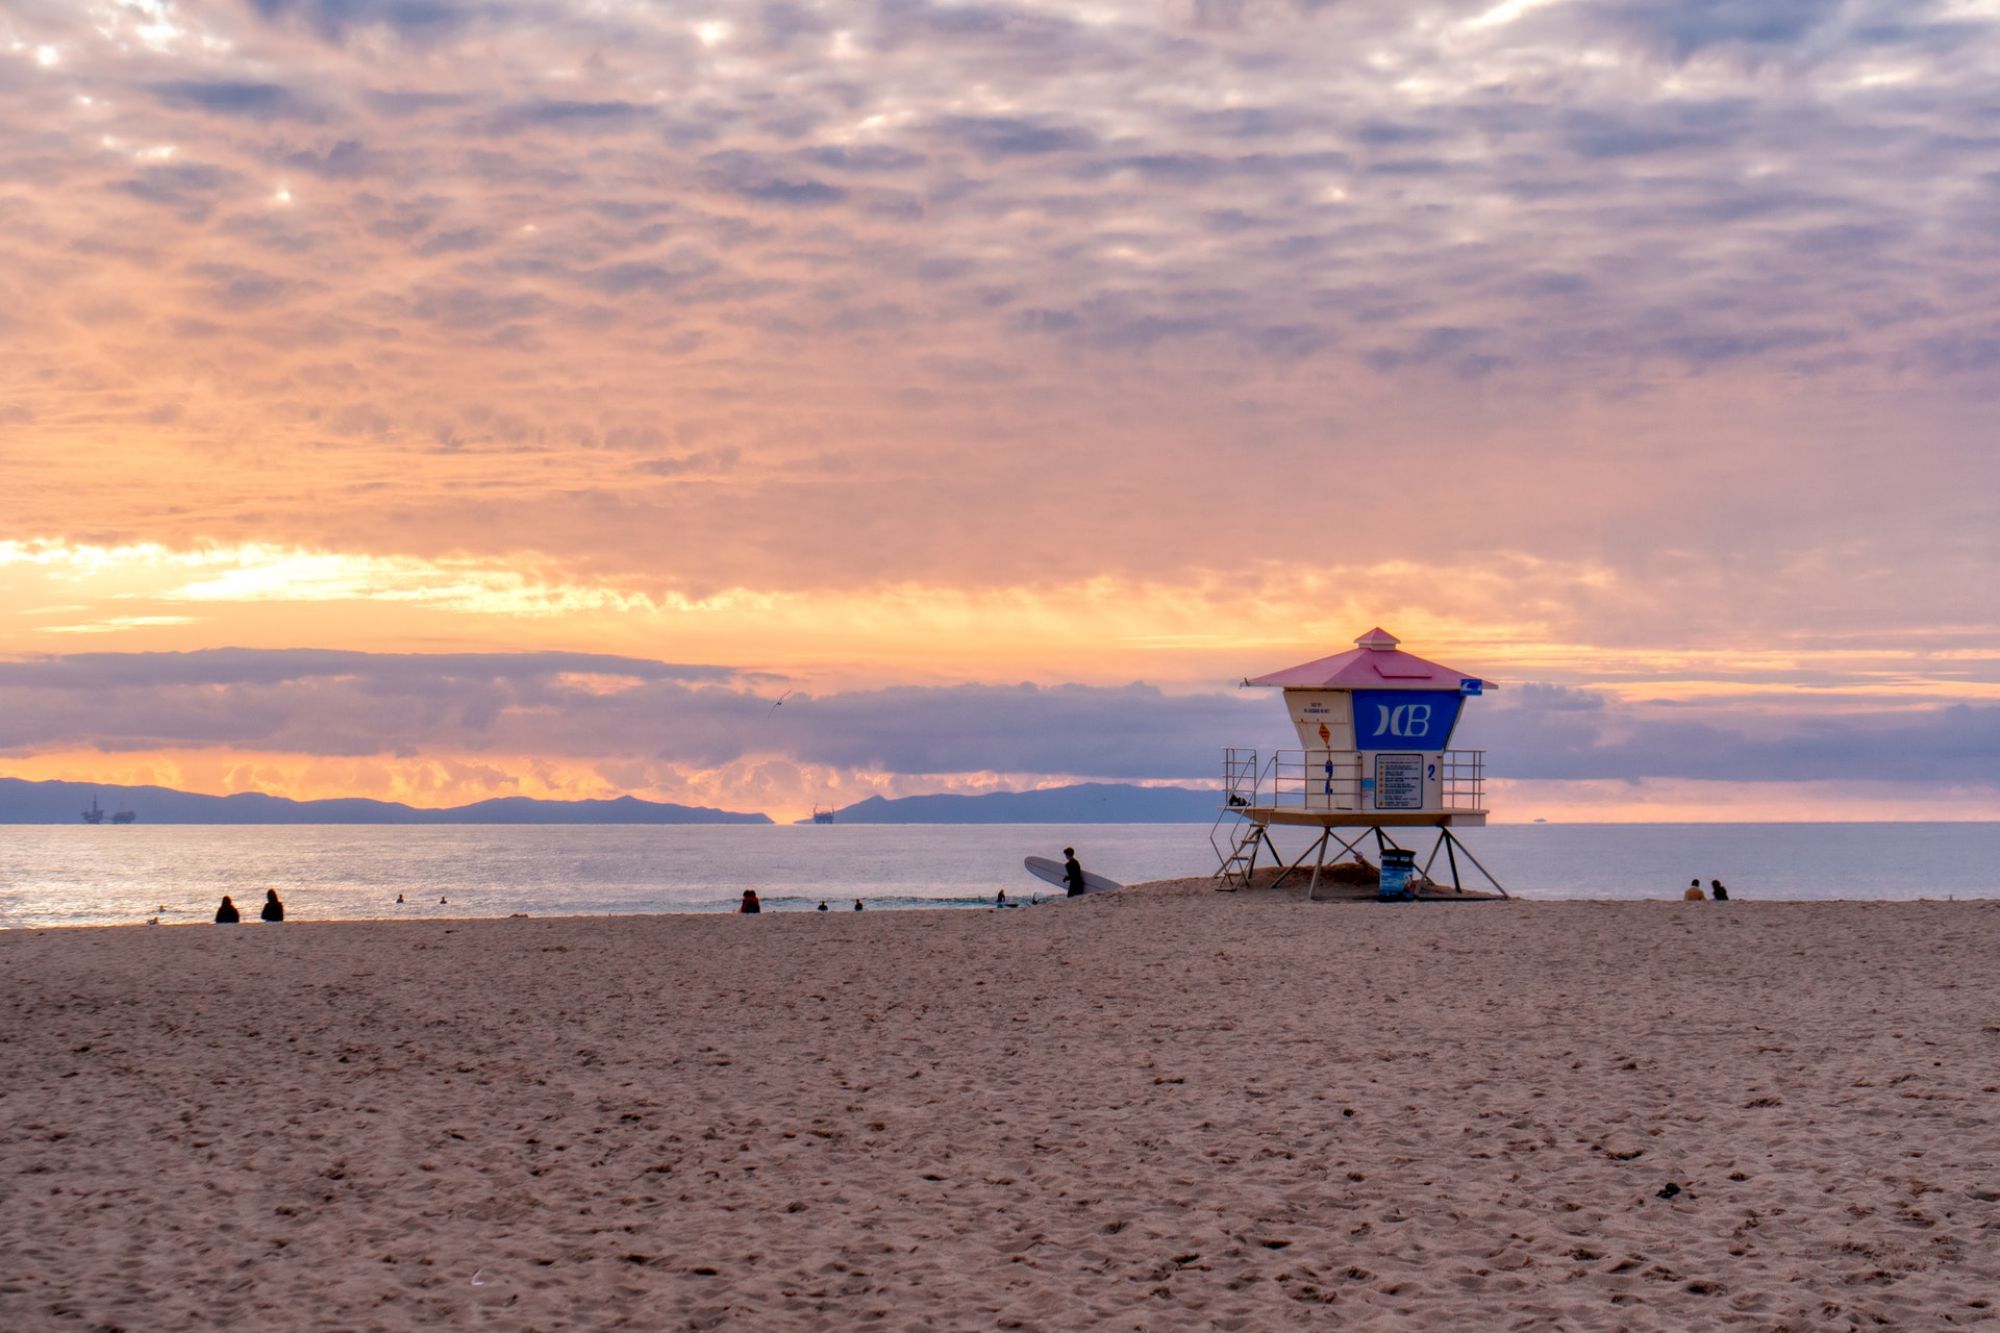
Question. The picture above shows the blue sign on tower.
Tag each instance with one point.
(1404, 719)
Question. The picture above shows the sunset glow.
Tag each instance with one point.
(442, 401)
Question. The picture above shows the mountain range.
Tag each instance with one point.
(1082, 803)
(23, 802)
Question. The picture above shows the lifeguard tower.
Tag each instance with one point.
(1374, 726)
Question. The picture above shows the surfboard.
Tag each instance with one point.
(1041, 867)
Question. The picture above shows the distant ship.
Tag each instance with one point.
(822, 816)
(124, 816)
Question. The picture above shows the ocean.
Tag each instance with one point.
(57, 875)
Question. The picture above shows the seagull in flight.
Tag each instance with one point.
(781, 699)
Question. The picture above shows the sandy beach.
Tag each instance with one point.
(1156, 1109)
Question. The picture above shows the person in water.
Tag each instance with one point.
(273, 909)
(857, 904)
(1072, 872)
(1001, 900)
(227, 915)
(750, 907)
(1693, 893)
(822, 904)
(1717, 892)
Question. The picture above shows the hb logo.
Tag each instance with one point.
(1410, 720)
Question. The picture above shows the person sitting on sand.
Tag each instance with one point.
(273, 909)
(1694, 893)
(750, 907)
(857, 904)
(1717, 892)
(822, 904)
(227, 915)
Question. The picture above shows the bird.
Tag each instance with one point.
(781, 699)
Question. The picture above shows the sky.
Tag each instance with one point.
(442, 399)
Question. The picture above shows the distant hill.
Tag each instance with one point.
(23, 802)
(1084, 803)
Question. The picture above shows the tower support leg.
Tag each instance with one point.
(1319, 862)
(1453, 845)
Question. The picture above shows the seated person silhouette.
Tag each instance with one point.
(273, 909)
(227, 915)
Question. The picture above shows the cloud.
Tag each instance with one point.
(235, 287)
(91, 673)
(584, 706)
(409, 19)
(694, 462)
(461, 240)
(223, 97)
(1549, 732)
(1688, 304)
(348, 159)
(1659, 128)
(569, 117)
(1692, 26)
(602, 708)
(1013, 136)
(193, 189)
(754, 177)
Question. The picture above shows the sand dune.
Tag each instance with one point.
(1149, 1110)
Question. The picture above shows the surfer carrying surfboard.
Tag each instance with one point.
(1074, 879)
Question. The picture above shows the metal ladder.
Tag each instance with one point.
(1242, 778)
(1241, 862)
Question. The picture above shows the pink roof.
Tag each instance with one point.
(1374, 663)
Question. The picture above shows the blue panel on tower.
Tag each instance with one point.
(1404, 719)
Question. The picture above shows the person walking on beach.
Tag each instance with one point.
(1072, 872)
(1717, 892)
(227, 915)
(750, 907)
(273, 909)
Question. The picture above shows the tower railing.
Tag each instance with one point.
(1241, 777)
(1334, 780)
(1462, 774)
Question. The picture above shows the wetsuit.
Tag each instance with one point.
(1074, 874)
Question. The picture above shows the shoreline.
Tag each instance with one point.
(1195, 886)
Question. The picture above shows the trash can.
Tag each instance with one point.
(1398, 869)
